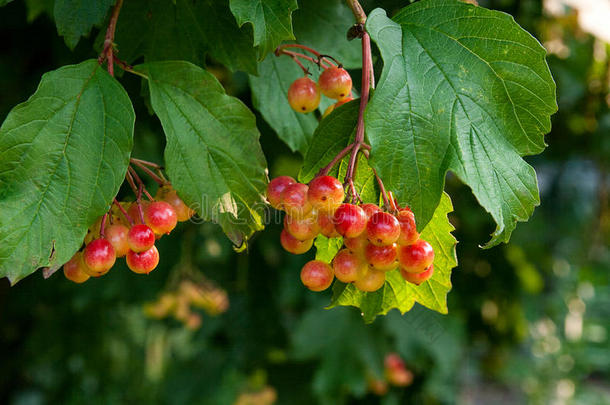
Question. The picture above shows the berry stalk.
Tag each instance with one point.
(108, 51)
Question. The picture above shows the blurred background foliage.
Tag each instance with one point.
(528, 321)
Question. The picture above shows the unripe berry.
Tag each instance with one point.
(168, 194)
(293, 245)
(326, 225)
(335, 83)
(348, 266)
(382, 229)
(99, 257)
(116, 234)
(408, 232)
(275, 189)
(143, 262)
(140, 238)
(304, 95)
(325, 193)
(350, 220)
(417, 257)
(302, 228)
(371, 281)
(381, 257)
(294, 200)
(370, 209)
(74, 269)
(418, 278)
(317, 275)
(160, 217)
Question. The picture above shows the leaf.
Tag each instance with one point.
(4, 2)
(75, 18)
(213, 156)
(399, 294)
(326, 248)
(270, 19)
(63, 157)
(463, 89)
(183, 30)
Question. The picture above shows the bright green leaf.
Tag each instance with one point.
(213, 156)
(75, 18)
(326, 248)
(465, 89)
(63, 157)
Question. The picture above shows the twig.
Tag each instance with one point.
(324, 171)
(140, 183)
(125, 214)
(108, 51)
(149, 172)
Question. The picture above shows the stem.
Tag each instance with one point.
(357, 10)
(125, 214)
(386, 201)
(128, 68)
(139, 203)
(132, 184)
(324, 171)
(146, 162)
(109, 40)
(103, 225)
(323, 62)
(140, 183)
(149, 172)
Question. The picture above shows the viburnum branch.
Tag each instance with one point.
(125, 214)
(145, 169)
(295, 55)
(108, 52)
(324, 171)
(140, 183)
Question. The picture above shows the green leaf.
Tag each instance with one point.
(397, 293)
(75, 18)
(183, 30)
(326, 248)
(4, 2)
(270, 19)
(465, 89)
(39, 7)
(213, 156)
(63, 157)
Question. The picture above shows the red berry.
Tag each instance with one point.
(350, 220)
(116, 234)
(417, 257)
(99, 257)
(317, 275)
(143, 262)
(381, 257)
(293, 245)
(160, 217)
(302, 228)
(348, 266)
(74, 269)
(275, 188)
(168, 194)
(140, 238)
(325, 193)
(294, 200)
(370, 209)
(304, 95)
(326, 225)
(382, 229)
(372, 280)
(408, 232)
(418, 278)
(335, 83)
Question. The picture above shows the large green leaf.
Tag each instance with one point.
(63, 157)
(465, 89)
(397, 293)
(75, 18)
(213, 156)
(270, 19)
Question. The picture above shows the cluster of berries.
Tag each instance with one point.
(375, 241)
(132, 231)
(179, 303)
(396, 373)
(334, 82)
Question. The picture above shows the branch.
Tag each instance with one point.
(108, 51)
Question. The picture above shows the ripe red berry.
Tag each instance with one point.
(348, 266)
(275, 188)
(350, 220)
(372, 280)
(381, 257)
(335, 83)
(304, 95)
(302, 228)
(326, 225)
(370, 209)
(294, 200)
(74, 269)
(143, 262)
(293, 245)
(325, 193)
(160, 217)
(408, 232)
(99, 257)
(317, 275)
(357, 244)
(418, 278)
(382, 229)
(140, 238)
(116, 234)
(417, 257)
(168, 194)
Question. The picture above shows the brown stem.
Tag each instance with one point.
(146, 162)
(357, 10)
(323, 62)
(324, 171)
(108, 51)
(386, 201)
(125, 214)
(139, 203)
(149, 172)
(103, 226)
(140, 183)
(132, 184)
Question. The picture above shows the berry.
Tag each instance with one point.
(168, 194)
(417, 257)
(74, 269)
(335, 83)
(294, 200)
(381, 257)
(140, 238)
(372, 280)
(304, 95)
(302, 228)
(348, 267)
(143, 262)
(326, 225)
(99, 257)
(325, 193)
(350, 220)
(134, 212)
(370, 209)
(357, 244)
(116, 234)
(160, 217)
(408, 232)
(317, 275)
(332, 107)
(293, 245)
(418, 278)
(396, 371)
(275, 188)
(382, 229)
